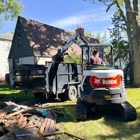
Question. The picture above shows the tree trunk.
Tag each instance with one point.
(136, 62)
(133, 37)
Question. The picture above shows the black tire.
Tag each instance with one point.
(81, 111)
(72, 93)
(38, 94)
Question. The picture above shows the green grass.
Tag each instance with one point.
(97, 127)
(12, 94)
(108, 127)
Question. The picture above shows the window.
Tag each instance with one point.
(7, 45)
(16, 61)
(19, 39)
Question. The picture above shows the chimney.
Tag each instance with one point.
(80, 30)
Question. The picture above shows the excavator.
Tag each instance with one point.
(101, 85)
(98, 86)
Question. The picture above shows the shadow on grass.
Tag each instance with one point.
(8, 93)
(5, 87)
(122, 130)
(113, 125)
(128, 85)
(69, 112)
(118, 129)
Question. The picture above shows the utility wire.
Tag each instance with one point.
(66, 9)
(62, 8)
(70, 11)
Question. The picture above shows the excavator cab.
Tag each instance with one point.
(102, 85)
(105, 54)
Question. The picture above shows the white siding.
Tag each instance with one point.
(42, 60)
(26, 60)
(4, 52)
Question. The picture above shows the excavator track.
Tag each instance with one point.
(81, 111)
(128, 111)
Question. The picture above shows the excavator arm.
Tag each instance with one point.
(76, 38)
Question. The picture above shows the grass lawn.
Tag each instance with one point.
(97, 127)
(12, 94)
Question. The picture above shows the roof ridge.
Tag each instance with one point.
(43, 23)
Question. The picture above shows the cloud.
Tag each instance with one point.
(83, 18)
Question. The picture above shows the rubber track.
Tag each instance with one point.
(128, 111)
(81, 112)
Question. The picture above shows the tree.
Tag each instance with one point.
(73, 58)
(120, 46)
(101, 37)
(119, 29)
(9, 10)
(129, 11)
(120, 50)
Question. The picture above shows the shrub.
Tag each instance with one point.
(73, 58)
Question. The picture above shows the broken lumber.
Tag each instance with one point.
(15, 113)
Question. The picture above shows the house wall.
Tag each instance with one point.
(41, 60)
(4, 51)
(22, 49)
(26, 60)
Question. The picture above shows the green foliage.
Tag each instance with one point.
(121, 47)
(121, 50)
(73, 58)
(119, 28)
(101, 37)
(9, 10)
(88, 34)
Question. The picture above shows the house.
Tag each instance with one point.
(35, 43)
(5, 45)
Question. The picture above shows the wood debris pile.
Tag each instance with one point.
(23, 121)
(20, 122)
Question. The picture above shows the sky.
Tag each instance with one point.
(65, 14)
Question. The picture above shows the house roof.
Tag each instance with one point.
(45, 39)
(6, 36)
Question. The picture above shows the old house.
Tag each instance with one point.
(5, 45)
(35, 43)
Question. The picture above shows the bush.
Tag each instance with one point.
(73, 58)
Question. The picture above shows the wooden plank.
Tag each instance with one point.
(15, 113)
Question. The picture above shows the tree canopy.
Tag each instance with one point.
(101, 37)
(9, 10)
